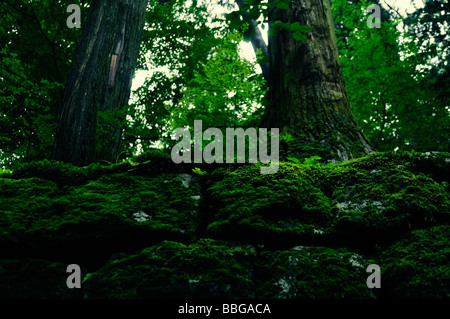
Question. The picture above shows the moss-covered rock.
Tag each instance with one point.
(376, 199)
(304, 272)
(270, 208)
(221, 269)
(418, 266)
(380, 201)
(149, 228)
(205, 269)
(98, 217)
(32, 278)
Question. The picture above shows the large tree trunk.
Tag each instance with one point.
(307, 96)
(100, 80)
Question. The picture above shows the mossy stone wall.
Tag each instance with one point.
(149, 228)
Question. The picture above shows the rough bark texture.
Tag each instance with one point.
(99, 80)
(307, 96)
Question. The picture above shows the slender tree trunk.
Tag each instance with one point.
(100, 80)
(307, 96)
(256, 40)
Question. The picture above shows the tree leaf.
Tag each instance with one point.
(304, 28)
(282, 5)
(295, 26)
(277, 24)
(297, 35)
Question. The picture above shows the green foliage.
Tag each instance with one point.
(199, 75)
(26, 119)
(296, 28)
(59, 172)
(147, 228)
(313, 161)
(388, 85)
(253, 10)
(199, 171)
(303, 148)
(131, 162)
(281, 4)
(225, 92)
(35, 51)
(429, 24)
(177, 40)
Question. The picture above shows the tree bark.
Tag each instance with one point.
(100, 80)
(307, 96)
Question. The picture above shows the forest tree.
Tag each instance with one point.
(99, 82)
(307, 96)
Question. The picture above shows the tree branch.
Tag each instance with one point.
(256, 39)
(52, 46)
(13, 73)
(18, 10)
(395, 10)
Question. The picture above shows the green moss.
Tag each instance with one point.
(59, 172)
(331, 146)
(164, 199)
(218, 269)
(206, 269)
(31, 278)
(434, 164)
(150, 163)
(387, 206)
(22, 202)
(418, 266)
(283, 204)
(35, 213)
(381, 196)
(377, 199)
(312, 273)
